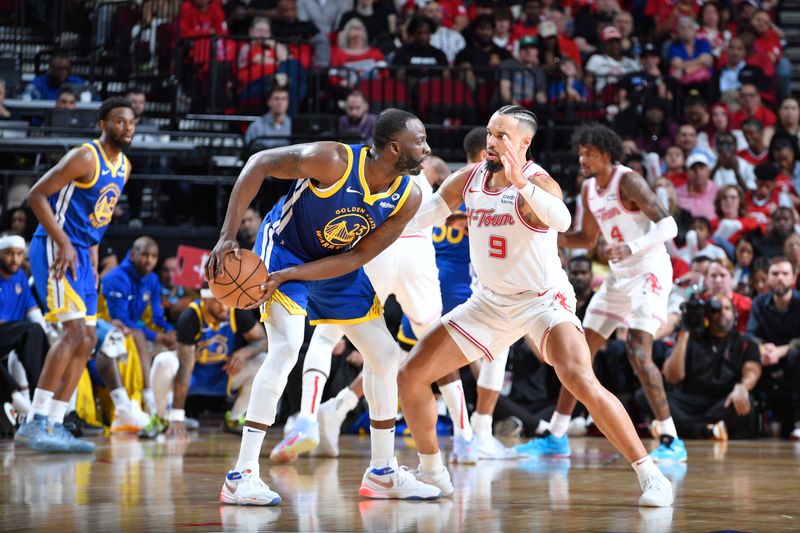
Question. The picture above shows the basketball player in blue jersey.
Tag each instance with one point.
(348, 204)
(74, 202)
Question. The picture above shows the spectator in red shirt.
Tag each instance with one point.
(756, 151)
(763, 201)
(203, 18)
(353, 53)
(566, 44)
(529, 23)
(719, 279)
(260, 57)
(675, 161)
(733, 221)
(750, 100)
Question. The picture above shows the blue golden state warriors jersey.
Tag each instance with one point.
(84, 210)
(313, 223)
(214, 342)
(452, 251)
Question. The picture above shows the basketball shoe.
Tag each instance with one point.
(656, 491)
(670, 449)
(73, 444)
(489, 447)
(234, 425)
(38, 438)
(547, 446)
(131, 420)
(441, 480)
(246, 488)
(303, 437)
(464, 451)
(330, 425)
(394, 483)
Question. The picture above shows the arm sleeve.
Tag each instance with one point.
(666, 229)
(550, 209)
(245, 321)
(433, 212)
(188, 327)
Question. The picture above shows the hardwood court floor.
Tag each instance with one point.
(163, 485)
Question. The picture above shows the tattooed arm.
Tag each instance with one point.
(636, 193)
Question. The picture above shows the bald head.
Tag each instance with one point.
(144, 255)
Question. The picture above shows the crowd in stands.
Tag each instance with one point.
(699, 92)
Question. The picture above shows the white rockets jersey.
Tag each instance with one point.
(508, 254)
(424, 185)
(620, 225)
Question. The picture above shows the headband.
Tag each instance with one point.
(12, 241)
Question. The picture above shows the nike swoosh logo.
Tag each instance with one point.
(106, 171)
(350, 189)
(385, 484)
(641, 462)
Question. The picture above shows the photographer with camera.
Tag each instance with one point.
(712, 369)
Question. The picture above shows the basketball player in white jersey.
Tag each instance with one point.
(621, 205)
(514, 211)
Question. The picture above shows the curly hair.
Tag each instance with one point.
(599, 136)
(112, 103)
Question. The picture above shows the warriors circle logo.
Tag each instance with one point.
(345, 229)
(104, 207)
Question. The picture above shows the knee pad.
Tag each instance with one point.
(493, 372)
(165, 364)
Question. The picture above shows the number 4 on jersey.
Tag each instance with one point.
(617, 235)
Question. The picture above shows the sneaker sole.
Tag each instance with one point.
(228, 500)
(290, 453)
(367, 492)
(126, 429)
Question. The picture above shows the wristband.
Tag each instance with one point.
(177, 415)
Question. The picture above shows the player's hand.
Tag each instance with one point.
(177, 430)
(215, 260)
(512, 165)
(275, 280)
(618, 252)
(120, 326)
(169, 339)
(235, 363)
(66, 259)
(740, 399)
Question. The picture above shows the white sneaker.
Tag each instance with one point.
(395, 483)
(330, 425)
(440, 480)
(796, 434)
(131, 420)
(246, 488)
(656, 491)
(490, 448)
(577, 427)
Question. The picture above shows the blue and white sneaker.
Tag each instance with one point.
(39, 438)
(303, 438)
(464, 452)
(246, 488)
(73, 445)
(549, 446)
(674, 451)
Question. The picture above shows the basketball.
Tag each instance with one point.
(239, 285)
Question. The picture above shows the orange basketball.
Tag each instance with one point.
(239, 285)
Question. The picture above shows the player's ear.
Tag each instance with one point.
(394, 147)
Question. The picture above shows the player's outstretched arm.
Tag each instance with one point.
(362, 253)
(588, 234)
(324, 161)
(635, 188)
(435, 209)
(77, 165)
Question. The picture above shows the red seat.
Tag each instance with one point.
(445, 99)
(384, 92)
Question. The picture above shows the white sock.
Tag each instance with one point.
(149, 400)
(667, 427)
(21, 402)
(382, 444)
(41, 402)
(453, 394)
(250, 449)
(313, 383)
(120, 398)
(431, 463)
(644, 468)
(346, 401)
(481, 424)
(57, 411)
(559, 424)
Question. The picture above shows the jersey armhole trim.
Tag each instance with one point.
(403, 198)
(89, 185)
(469, 180)
(333, 189)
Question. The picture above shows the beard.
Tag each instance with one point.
(780, 290)
(406, 164)
(494, 166)
(118, 141)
